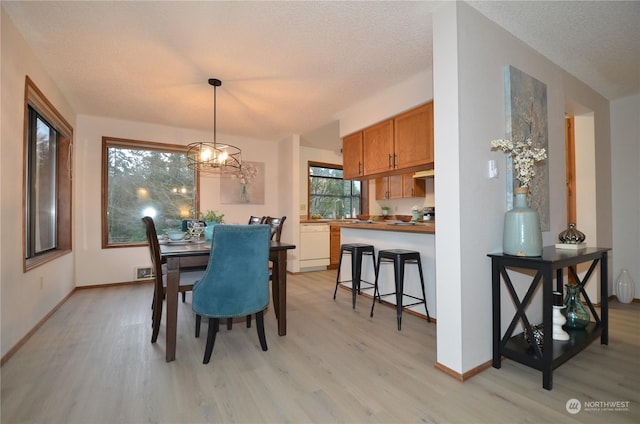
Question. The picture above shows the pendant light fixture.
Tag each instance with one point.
(214, 158)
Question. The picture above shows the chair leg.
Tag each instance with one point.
(156, 317)
(260, 326)
(184, 296)
(229, 323)
(198, 321)
(214, 323)
(248, 321)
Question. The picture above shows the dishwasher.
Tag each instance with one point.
(314, 246)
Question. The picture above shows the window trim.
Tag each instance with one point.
(133, 144)
(35, 98)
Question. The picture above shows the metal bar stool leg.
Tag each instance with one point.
(424, 294)
(356, 275)
(399, 280)
(376, 291)
(338, 274)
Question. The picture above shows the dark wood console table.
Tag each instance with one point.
(553, 352)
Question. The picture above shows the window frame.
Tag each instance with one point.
(363, 185)
(124, 143)
(34, 98)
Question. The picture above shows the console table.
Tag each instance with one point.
(553, 352)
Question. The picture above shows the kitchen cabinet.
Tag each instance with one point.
(413, 137)
(377, 142)
(399, 187)
(352, 156)
(401, 143)
(334, 243)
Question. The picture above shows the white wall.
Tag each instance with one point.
(387, 103)
(28, 297)
(288, 196)
(625, 154)
(101, 266)
(467, 197)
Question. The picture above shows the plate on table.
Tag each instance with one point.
(403, 223)
(182, 242)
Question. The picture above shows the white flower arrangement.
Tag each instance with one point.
(524, 157)
(416, 208)
(246, 174)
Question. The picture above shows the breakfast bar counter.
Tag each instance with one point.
(428, 227)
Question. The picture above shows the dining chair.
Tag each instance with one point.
(187, 278)
(276, 226)
(253, 220)
(236, 281)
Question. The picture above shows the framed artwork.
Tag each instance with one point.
(245, 186)
(526, 110)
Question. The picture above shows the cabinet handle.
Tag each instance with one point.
(359, 168)
(390, 159)
(395, 161)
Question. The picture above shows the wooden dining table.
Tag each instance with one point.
(190, 255)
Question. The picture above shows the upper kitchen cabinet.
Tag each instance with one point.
(413, 136)
(352, 156)
(395, 146)
(378, 148)
(399, 187)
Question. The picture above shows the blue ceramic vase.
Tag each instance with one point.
(522, 235)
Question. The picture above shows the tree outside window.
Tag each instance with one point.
(144, 179)
(330, 196)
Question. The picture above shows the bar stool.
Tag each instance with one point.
(356, 250)
(400, 257)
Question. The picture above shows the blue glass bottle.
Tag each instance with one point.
(577, 315)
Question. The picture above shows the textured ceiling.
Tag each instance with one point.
(289, 67)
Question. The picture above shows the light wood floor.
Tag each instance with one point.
(92, 362)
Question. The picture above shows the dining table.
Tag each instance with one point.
(196, 255)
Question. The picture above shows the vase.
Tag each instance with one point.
(415, 215)
(522, 235)
(625, 287)
(575, 312)
(244, 193)
(208, 230)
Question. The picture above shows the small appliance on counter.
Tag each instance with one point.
(429, 213)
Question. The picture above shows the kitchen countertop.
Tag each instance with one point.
(428, 227)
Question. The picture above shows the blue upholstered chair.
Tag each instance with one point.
(236, 281)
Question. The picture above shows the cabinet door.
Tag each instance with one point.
(414, 137)
(352, 156)
(334, 252)
(378, 148)
(390, 187)
(412, 187)
(382, 188)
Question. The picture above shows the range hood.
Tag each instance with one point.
(429, 173)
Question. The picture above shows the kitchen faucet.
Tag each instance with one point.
(335, 208)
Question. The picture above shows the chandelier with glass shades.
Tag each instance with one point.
(214, 158)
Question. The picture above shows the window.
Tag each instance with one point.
(144, 179)
(329, 195)
(47, 180)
